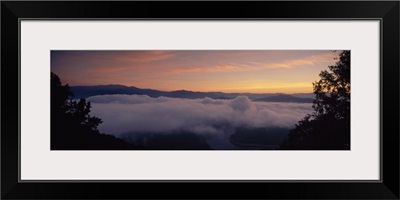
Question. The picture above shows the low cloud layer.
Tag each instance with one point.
(132, 114)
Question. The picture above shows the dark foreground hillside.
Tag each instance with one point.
(72, 127)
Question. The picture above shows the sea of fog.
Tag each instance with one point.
(131, 116)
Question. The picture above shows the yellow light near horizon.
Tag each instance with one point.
(240, 71)
(264, 88)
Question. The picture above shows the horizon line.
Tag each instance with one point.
(190, 90)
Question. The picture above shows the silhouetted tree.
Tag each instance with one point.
(328, 127)
(59, 93)
(80, 113)
(72, 126)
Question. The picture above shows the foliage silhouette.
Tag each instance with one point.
(258, 138)
(328, 127)
(179, 140)
(72, 126)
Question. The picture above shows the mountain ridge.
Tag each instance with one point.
(111, 89)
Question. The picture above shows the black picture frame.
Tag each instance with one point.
(386, 11)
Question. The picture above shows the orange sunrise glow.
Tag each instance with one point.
(251, 71)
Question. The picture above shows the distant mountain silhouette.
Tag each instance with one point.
(87, 91)
(285, 98)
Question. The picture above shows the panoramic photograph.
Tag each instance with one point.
(200, 100)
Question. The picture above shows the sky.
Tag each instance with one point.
(250, 71)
